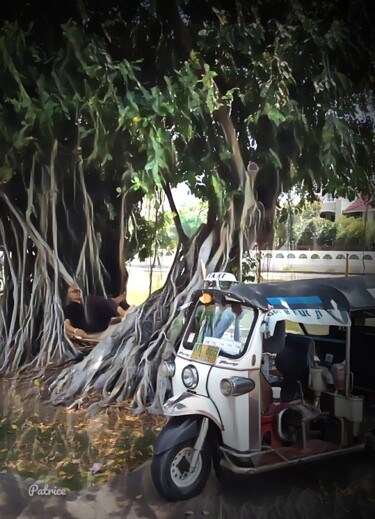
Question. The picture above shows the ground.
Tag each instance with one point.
(342, 488)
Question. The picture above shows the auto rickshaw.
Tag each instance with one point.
(267, 376)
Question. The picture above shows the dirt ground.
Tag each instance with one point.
(342, 488)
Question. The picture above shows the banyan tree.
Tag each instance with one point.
(106, 104)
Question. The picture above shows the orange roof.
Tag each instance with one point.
(361, 205)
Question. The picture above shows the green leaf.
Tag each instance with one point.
(275, 115)
(20, 140)
(275, 159)
(6, 173)
(225, 154)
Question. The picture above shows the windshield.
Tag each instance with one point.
(226, 326)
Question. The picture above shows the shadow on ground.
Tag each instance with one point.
(341, 488)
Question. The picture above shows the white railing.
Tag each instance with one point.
(360, 262)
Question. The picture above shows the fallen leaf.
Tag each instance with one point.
(14, 426)
(132, 418)
(205, 512)
(139, 496)
(66, 461)
(345, 491)
(37, 382)
(96, 467)
(42, 428)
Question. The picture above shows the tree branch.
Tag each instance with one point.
(176, 217)
(169, 10)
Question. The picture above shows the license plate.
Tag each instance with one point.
(205, 353)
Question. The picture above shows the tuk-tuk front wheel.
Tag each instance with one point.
(173, 475)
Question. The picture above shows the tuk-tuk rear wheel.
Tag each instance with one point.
(370, 441)
(171, 471)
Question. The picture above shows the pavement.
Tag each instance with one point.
(342, 488)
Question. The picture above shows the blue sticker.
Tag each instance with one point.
(304, 300)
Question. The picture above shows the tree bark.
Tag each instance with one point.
(126, 364)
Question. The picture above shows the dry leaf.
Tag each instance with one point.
(96, 467)
(42, 428)
(14, 426)
(139, 496)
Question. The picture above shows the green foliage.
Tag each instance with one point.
(317, 232)
(192, 215)
(297, 220)
(290, 71)
(311, 231)
(249, 266)
(327, 234)
(115, 85)
(355, 234)
(309, 235)
(6, 173)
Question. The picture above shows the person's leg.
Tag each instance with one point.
(120, 298)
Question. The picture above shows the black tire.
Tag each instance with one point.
(370, 441)
(170, 475)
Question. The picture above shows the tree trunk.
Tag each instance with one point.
(49, 238)
(126, 364)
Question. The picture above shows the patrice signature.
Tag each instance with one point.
(36, 490)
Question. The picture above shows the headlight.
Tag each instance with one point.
(190, 377)
(168, 368)
(235, 386)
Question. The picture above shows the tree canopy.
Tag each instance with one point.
(106, 103)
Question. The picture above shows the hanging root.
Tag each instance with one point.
(31, 318)
(126, 365)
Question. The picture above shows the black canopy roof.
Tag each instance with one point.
(345, 293)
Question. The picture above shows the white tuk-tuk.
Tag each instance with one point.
(268, 375)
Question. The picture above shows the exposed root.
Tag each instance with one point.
(31, 318)
(39, 260)
(126, 365)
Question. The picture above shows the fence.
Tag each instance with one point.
(360, 262)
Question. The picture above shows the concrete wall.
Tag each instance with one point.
(318, 261)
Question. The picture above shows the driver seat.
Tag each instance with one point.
(294, 362)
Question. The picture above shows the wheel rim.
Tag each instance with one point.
(180, 468)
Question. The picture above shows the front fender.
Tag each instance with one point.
(175, 432)
(187, 404)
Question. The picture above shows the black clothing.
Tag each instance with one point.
(93, 315)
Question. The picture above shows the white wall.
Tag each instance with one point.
(318, 261)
